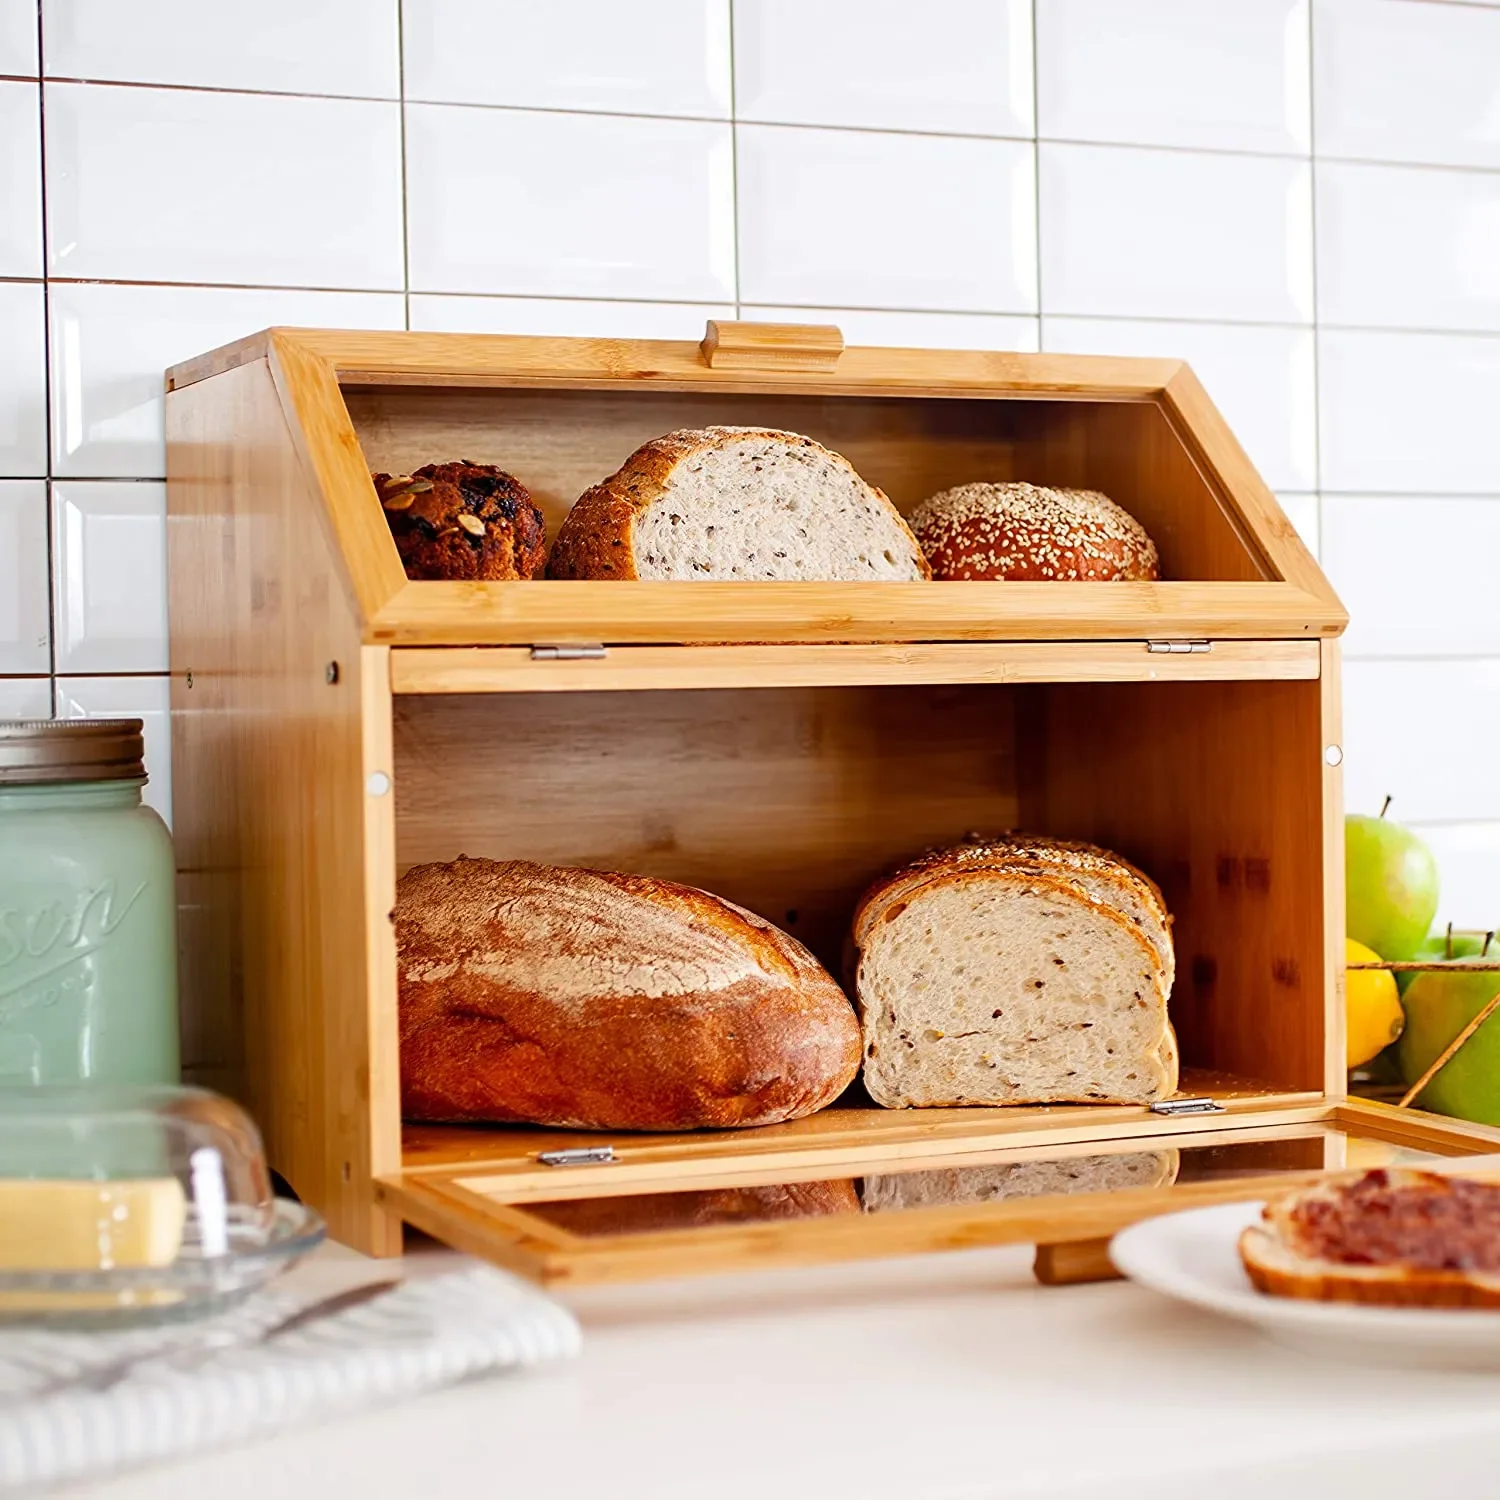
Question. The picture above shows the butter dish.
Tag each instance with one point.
(125, 1205)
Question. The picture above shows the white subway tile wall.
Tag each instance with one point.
(1301, 197)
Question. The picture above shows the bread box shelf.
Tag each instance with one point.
(779, 744)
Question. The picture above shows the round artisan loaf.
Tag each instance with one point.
(1021, 970)
(1030, 533)
(606, 1001)
(463, 521)
(735, 503)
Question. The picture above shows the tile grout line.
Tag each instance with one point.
(47, 412)
(1229, 323)
(405, 211)
(734, 157)
(1036, 168)
(1317, 327)
(1170, 147)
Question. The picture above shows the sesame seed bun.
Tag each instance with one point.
(1030, 533)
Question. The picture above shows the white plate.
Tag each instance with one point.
(1193, 1256)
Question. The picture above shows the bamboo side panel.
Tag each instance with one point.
(279, 714)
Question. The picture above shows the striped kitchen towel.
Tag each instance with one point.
(421, 1335)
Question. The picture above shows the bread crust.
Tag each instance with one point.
(1018, 851)
(462, 521)
(597, 539)
(1032, 533)
(1273, 1269)
(600, 1000)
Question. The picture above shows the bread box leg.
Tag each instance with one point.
(281, 728)
(1073, 1261)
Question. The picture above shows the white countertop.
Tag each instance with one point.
(949, 1377)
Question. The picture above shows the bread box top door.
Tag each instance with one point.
(563, 413)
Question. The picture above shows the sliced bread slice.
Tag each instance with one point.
(1392, 1237)
(1102, 874)
(733, 503)
(1008, 984)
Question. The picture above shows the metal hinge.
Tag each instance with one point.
(577, 1156)
(1199, 1106)
(1179, 648)
(568, 653)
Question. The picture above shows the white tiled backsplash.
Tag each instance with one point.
(1301, 197)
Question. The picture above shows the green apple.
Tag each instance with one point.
(1437, 946)
(1390, 886)
(1438, 1006)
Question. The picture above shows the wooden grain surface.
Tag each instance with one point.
(1330, 828)
(1073, 1261)
(495, 360)
(271, 814)
(1216, 790)
(511, 669)
(789, 801)
(542, 611)
(731, 345)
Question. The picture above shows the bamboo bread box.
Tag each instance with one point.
(779, 744)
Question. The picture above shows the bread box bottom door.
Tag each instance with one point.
(647, 1214)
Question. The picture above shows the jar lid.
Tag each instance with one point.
(39, 752)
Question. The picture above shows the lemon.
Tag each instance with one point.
(1373, 1007)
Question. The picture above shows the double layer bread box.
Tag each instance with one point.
(779, 744)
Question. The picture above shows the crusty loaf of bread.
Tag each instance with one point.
(735, 503)
(606, 1001)
(1016, 971)
(1001, 1181)
(1391, 1236)
(1032, 533)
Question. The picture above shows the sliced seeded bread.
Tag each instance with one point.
(1021, 971)
(735, 503)
(1105, 876)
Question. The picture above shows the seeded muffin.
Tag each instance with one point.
(462, 521)
(1030, 533)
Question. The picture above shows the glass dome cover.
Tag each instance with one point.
(126, 1204)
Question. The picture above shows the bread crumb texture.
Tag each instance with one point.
(1021, 971)
(736, 503)
(1030, 532)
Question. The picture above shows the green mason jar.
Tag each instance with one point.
(88, 945)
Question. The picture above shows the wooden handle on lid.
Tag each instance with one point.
(771, 346)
